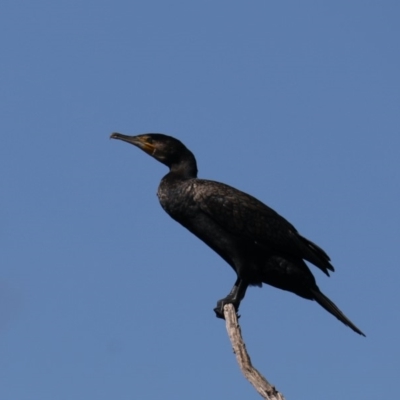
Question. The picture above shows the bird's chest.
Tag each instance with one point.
(177, 200)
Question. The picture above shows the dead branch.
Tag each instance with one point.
(263, 387)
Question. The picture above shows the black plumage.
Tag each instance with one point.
(259, 244)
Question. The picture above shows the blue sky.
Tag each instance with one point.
(102, 295)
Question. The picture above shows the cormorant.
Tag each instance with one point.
(259, 244)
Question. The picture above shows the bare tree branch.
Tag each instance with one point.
(263, 387)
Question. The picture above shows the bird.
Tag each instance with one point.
(261, 246)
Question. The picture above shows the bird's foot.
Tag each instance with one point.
(219, 310)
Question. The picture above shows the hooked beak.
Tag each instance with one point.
(138, 141)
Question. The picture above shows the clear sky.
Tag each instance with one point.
(102, 295)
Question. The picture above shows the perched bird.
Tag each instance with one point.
(259, 244)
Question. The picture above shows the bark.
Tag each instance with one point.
(263, 387)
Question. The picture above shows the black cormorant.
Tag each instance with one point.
(259, 244)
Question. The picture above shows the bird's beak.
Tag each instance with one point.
(138, 141)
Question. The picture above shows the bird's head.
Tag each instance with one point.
(166, 149)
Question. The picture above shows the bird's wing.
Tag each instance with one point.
(244, 215)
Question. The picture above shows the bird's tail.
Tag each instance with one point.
(329, 306)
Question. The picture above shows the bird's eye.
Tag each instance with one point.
(149, 140)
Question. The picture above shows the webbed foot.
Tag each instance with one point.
(219, 310)
(235, 296)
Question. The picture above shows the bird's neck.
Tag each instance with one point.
(185, 167)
